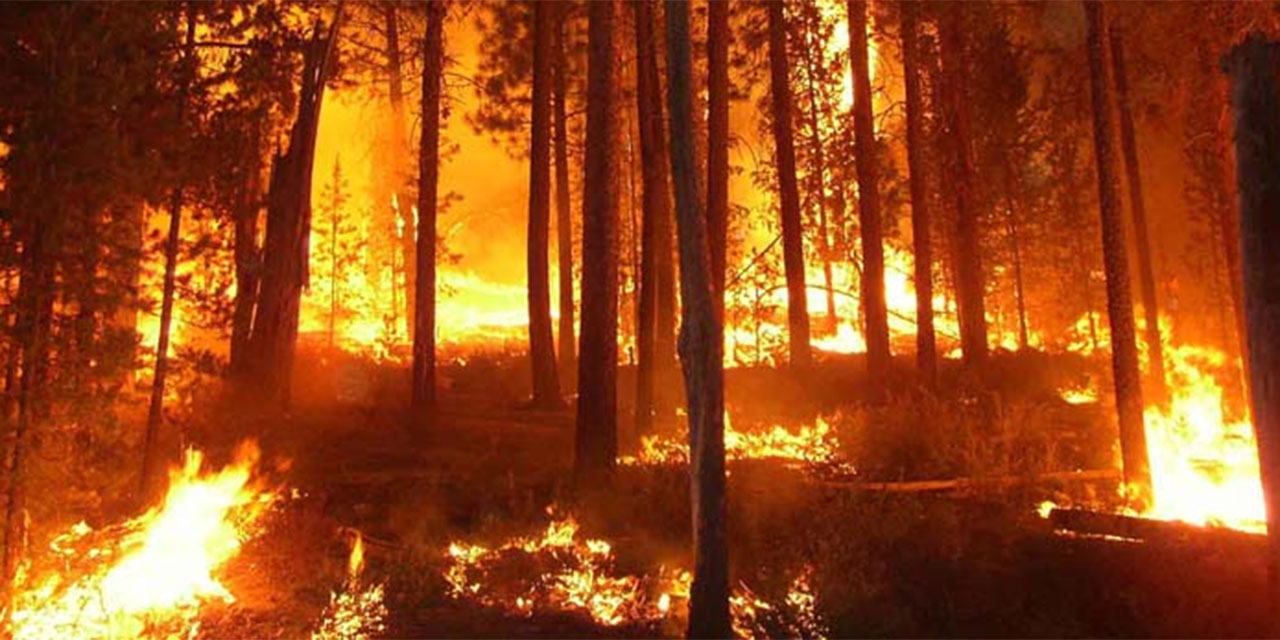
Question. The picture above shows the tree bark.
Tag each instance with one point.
(423, 399)
(564, 223)
(1146, 271)
(718, 39)
(921, 224)
(596, 430)
(155, 410)
(701, 352)
(286, 249)
(968, 261)
(1124, 351)
(792, 228)
(400, 148)
(1256, 119)
(247, 255)
(819, 170)
(875, 314)
(542, 351)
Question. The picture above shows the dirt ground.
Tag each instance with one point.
(980, 563)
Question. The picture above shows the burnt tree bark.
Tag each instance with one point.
(875, 314)
(1124, 350)
(968, 257)
(1137, 206)
(423, 398)
(701, 352)
(921, 224)
(286, 248)
(792, 230)
(542, 351)
(246, 252)
(596, 429)
(1255, 112)
(564, 215)
(718, 38)
(155, 410)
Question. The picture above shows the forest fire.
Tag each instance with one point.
(808, 446)
(358, 611)
(580, 575)
(147, 577)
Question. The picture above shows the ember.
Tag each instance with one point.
(358, 612)
(812, 446)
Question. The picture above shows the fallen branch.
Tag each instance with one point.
(956, 484)
(1114, 525)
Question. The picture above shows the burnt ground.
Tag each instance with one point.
(977, 563)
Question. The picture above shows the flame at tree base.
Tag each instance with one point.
(147, 577)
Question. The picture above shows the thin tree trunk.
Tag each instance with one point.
(1015, 246)
(820, 175)
(875, 314)
(1146, 271)
(969, 278)
(542, 350)
(564, 225)
(701, 352)
(333, 254)
(656, 206)
(921, 225)
(155, 411)
(1256, 118)
(423, 394)
(596, 430)
(400, 148)
(718, 39)
(1124, 351)
(247, 256)
(792, 228)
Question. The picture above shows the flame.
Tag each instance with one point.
(811, 445)
(153, 572)
(358, 612)
(578, 575)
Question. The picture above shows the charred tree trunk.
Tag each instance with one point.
(1256, 118)
(718, 38)
(820, 178)
(247, 256)
(155, 411)
(1146, 271)
(921, 226)
(400, 144)
(33, 324)
(286, 248)
(596, 430)
(701, 352)
(542, 350)
(875, 314)
(792, 229)
(1124, 351)
(656, 326)
(970, 286)
(423, 394)
(1015, 249)
(564, 222)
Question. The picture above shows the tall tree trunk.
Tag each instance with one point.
(921, 225)
(820, 174)
(423, 394)
(247, 256)
(1146, 272)
(564, 223)
(656, 327)
(400, 148)
(718, 38)
(286, 249)
(33, 324)
(1124, 351)
(1015, 248)
(1256, 119)
(875, 313)
(155, 411)
(701, 352)
(542, 350)
(970, 286)
(792, 229)
(335, 215)
(596, 430)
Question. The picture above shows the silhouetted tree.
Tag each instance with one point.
(542, 354)
(423, 400)
(921, 226)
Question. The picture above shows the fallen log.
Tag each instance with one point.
(1119, 526)
(957, 484)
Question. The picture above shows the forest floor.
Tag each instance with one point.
(979, 563)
